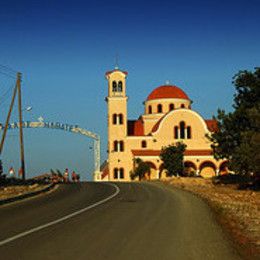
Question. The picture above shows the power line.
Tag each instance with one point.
(4, 96)
(8, 75)
(7, 68)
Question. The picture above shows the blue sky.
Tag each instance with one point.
(64, 48)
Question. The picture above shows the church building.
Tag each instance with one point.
(168, 118)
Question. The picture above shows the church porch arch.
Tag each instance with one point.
(190, 168)
(223, 168)
(207, 169)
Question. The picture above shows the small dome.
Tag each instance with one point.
(167, 91)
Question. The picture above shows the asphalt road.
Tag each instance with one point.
(143, 221)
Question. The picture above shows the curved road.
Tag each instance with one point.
(143, 221)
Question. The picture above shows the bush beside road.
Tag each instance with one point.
(237, 210)
(12, 189)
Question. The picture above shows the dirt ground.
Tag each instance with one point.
(16, 190)
(237, 210)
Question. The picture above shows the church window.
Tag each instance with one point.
(182, 130)
(115, 146)
(114, 86)
(150, 109)
(120, 86)
(120, 119)
(159, 108)
(114, 119)
(182, 106)
(144, 144)
(176, 132)
(171, 107)
(115, 173)
(121, 146)
(189, 132)
(121, 173)
(118, 146)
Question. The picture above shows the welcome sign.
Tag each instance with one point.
(65, 127)
(52, 125)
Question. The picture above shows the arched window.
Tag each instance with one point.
(115, 173)
(171, 107)
(121, 173)
(176, 132)
(114, 86)
(120, 86)
(120, 119)
(182, 106)
(116, 146)
(189, 132)
(144, 144)
(121, 146)
(114, 119)
(150, 109)
(182, 130)
(159, 108)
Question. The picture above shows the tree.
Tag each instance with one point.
(141, 168)
(238, 135)
(53, 172)
(2, 176)
(1, 168)
(172, 157)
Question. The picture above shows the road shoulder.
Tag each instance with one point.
(235, 211)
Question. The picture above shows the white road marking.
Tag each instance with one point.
(30, 231)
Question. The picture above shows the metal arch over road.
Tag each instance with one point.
(69, 128)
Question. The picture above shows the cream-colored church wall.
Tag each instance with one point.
(198, 161)
(135, 142)
(149, 121)
(117, 106)
(125, 159)
(165, 133)
(161, 139)
(120, 160)
(165, 102)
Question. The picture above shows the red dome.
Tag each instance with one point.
(167, 92)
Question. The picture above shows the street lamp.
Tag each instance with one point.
(28, 109)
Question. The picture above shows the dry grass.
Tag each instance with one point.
(237, 210)
(16, 190)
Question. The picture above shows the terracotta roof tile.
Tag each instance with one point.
(167, 91)
(212, 125)
(135, 127)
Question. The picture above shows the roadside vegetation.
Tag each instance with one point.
(141, 170)
(172, 157)
(238, 135)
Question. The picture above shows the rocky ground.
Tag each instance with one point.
(237, 210)
(16, 190)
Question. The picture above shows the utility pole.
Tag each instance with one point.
(19, 76)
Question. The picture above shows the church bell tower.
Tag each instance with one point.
(117, 123)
